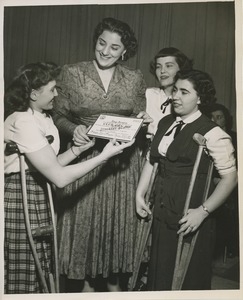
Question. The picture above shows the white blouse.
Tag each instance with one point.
(155, 97)
(218, 144)
(28, 130)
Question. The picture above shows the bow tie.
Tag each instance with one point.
(165, 104)
(177, 127)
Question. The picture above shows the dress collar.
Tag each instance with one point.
(191, 118)
(94, 75)
(37, 113)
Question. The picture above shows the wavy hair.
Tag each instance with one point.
(128, 38)
(182, 60)
(30, 77)
(202, 83)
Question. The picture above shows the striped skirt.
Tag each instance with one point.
(20, 273)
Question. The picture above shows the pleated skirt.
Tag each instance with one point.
(20, 273)
(97, 223)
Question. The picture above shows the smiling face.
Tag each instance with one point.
(185, 99)
(42, 99)
(108, 49)
(166, 69)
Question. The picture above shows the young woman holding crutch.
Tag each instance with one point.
(175, 150)
(28, 101)
(164, 66)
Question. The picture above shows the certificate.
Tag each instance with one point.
(114, 127)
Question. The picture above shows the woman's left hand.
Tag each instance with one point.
(190, 222)
(80, 137)
(146, 117)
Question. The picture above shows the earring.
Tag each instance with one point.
(122, 56)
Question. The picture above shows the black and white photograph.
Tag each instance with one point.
(146, 206)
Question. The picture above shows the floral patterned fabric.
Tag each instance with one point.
(97, 224)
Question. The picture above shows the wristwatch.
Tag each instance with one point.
(205, 209)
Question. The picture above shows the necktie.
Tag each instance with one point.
(164, 105)
(177, 129)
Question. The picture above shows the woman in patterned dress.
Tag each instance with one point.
(27, 101)
(97, 229)
(176, 156)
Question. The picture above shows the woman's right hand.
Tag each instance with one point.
(80, 137)
(141, 208)
(80, 149)
(113, 148)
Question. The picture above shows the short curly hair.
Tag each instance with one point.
(30, 77)
(182, 60)
(123, 30)
(202, 83)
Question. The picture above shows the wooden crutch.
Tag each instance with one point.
(11, 148)
(56, 287)
(185, 250)
(146, 226)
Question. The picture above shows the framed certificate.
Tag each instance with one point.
(114, 127)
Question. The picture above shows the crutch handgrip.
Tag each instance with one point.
(42, 230)
(199, 139)
(11, 148)
(50, 139)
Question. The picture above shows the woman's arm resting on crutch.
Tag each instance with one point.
(220, 148)
(195, 217)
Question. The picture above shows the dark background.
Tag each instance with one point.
(204, 31)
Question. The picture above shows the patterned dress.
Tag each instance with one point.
(97, 224)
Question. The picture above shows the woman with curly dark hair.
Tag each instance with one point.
(97, 232)
(175, 151)
(164, 66)
(28, 101)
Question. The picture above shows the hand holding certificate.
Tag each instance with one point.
(122, 129)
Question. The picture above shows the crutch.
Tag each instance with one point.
(146, 226)
(11, 148)
(185, 250)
